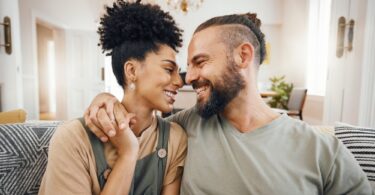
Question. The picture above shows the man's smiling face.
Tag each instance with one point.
(212, 72)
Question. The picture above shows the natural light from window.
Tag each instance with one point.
(317, 59)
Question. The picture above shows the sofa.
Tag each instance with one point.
(24, 149)
(23, 156)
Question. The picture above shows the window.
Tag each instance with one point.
(317, 57)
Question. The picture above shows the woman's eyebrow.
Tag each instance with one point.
(171, 62)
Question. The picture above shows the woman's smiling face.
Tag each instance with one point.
(158, 79)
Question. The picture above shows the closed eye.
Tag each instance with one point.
(200, 63)
(169, 70)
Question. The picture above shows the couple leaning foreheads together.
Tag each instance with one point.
(229, 143)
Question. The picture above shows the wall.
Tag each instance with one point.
(11, 65)
(68, 14)
(294, 41)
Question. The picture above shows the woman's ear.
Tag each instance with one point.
(130, 70)
(244, 55)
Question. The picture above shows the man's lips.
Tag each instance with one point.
(201, 90)
(201, 87)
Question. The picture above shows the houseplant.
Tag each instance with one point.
(282, 89)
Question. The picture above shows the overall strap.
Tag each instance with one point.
(162, 148)
(164, 128)
(98, 149)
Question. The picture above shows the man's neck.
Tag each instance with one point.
(248, 111)
(143, 114)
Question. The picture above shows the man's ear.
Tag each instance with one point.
(244, 55)
(130, 70)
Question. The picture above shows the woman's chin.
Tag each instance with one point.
(166, 108)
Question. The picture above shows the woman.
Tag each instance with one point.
(147, 159)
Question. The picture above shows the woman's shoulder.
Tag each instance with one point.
(69, 132)
(177, 135)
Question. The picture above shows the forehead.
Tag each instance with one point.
(205, 41)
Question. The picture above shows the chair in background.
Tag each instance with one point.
(295, 103)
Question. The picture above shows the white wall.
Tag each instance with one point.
(294, 41)
(11, 65)
(67, 14)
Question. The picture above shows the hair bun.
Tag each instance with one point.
(254, 19)
(126, 21)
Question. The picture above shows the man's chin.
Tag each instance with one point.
(204, 111)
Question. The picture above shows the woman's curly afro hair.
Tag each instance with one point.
(131, 30)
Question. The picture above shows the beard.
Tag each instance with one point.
(222, 91)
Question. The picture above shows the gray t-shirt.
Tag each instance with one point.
(286, 156)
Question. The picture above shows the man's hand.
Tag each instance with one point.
(113, 116)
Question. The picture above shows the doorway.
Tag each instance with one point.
(46, 72)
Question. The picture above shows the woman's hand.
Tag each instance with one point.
(105, 126)
(125, 142)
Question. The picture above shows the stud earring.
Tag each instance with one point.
(132, 86)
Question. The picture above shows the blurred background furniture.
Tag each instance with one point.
(13, 116)
(295, 103)
(266, 94)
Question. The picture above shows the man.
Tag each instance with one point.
(236, 143)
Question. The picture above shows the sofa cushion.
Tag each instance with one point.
(361, 142)
(13, 116)
(23, 156)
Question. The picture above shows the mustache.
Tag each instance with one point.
(199, 83)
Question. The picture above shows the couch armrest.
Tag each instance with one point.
(13, 116)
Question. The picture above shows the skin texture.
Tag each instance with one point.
(213, 75)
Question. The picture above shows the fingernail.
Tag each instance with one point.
(103, 139)
(112, 133)
(122, 126)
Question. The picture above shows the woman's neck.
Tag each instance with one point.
(143, 114)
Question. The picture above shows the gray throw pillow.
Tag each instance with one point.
(361, 142)
(23, 156)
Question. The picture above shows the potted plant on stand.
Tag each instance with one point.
(282, 90)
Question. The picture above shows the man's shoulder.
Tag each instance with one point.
(188, 113)
(296, 132)
(185, 116)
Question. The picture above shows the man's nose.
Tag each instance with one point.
(191, 75)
